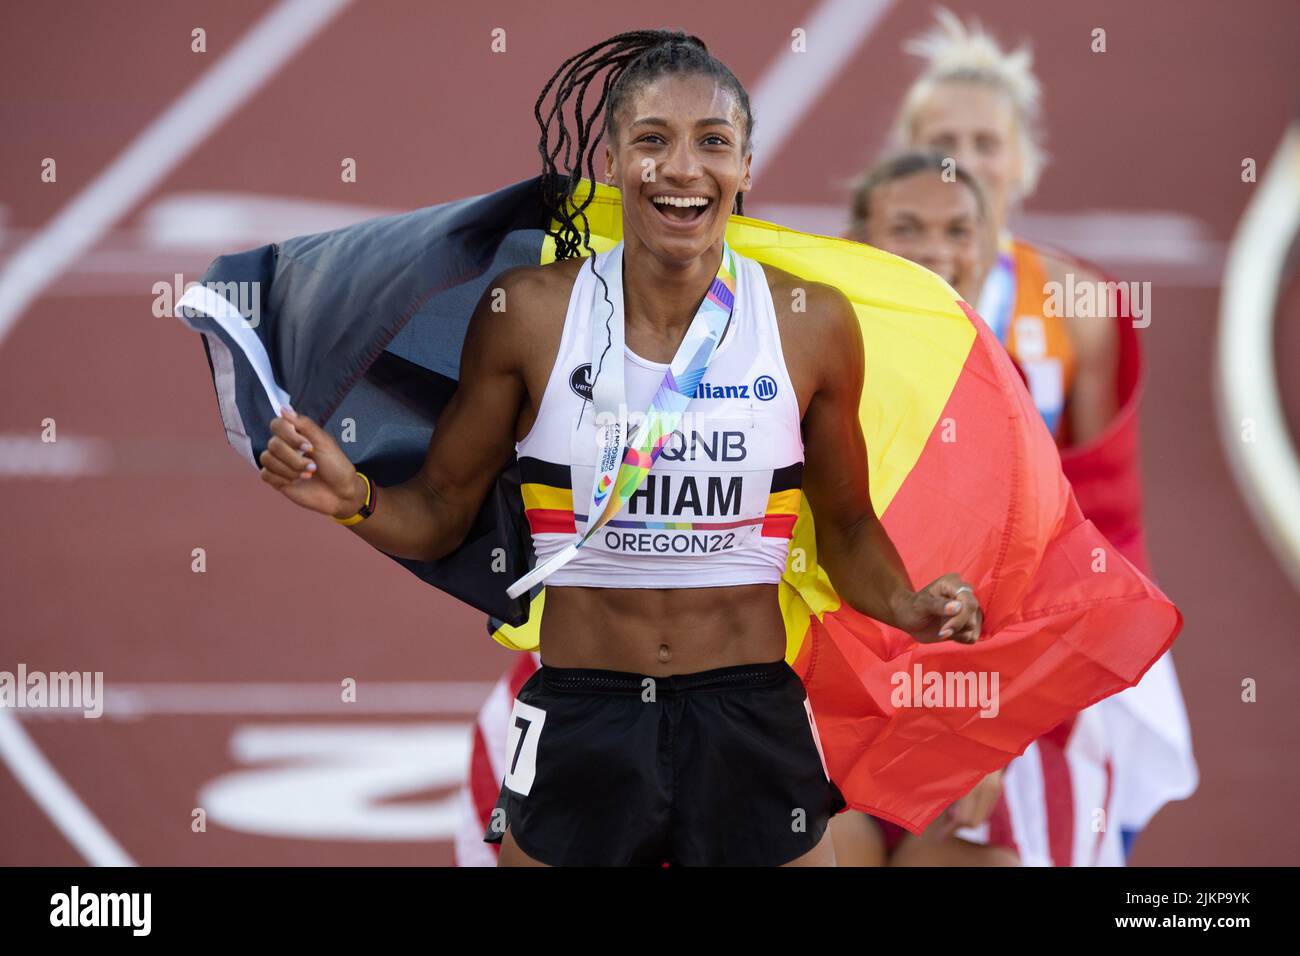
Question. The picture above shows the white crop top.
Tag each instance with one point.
(719, 505)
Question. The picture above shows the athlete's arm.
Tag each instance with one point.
(852, 544)
(428, 516)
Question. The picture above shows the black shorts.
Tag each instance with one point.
(607, 768)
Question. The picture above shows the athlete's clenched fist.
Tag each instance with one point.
(306, 464)
(946, 609)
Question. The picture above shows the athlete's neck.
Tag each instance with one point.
(660, 299)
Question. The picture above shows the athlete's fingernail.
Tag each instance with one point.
(305, 447)
(946, 632)
(311, 466)
(953, 607)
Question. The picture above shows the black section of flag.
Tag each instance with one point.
(363, 327)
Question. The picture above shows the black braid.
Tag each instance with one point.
(632, 60)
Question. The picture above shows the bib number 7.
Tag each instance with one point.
(525, 731)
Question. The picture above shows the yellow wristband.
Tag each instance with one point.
(367, 507)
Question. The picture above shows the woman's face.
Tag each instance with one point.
(975, 125)
(680, 137)
(933, 223)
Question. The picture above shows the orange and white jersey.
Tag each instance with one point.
(1014, 303)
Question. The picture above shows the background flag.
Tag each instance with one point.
(1147, 728)
(367, 322)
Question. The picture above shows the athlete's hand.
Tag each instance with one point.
(971, 810)
(943, 610)
(304, 462)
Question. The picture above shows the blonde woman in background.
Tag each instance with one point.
(981, 107)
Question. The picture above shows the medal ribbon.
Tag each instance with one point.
(998, 296)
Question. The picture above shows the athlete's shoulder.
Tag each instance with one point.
(540, 283)
(532, 299)
(520, 315)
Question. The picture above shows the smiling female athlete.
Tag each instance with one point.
(664, 724)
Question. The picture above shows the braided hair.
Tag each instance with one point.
(632, 60)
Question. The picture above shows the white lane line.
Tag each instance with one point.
(162, 146)
(207, 219)
(49, 791)
(1157, 236)
(26, 456)
(1265, 465)
(127, 701)
(793, 82)
(1160, 244)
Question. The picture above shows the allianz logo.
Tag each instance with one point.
(763, 388)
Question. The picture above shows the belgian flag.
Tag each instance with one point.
(366, 323)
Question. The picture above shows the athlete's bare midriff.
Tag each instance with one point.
(654, 631)
(661, 631)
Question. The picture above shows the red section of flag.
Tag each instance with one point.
(1068, 621)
